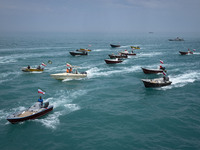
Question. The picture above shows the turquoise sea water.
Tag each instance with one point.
(111, 108)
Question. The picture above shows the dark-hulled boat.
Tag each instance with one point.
(78, 53)
(32, 112)
(112, 45)
(177, 39)
(152, 71)
(185, 53)
(129, 54)
(117, 56)
(159, 82)
(113, 61)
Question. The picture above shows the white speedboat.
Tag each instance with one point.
(63, 76)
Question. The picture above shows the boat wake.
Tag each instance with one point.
(148, 54)
(63, 105)
(182, 80)
(97, 72)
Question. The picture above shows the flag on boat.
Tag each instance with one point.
(164, 73)
(161, 62)
(43, 64)
(68, 65)
(41, 91)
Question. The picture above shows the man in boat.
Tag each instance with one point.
(162, 68)
(70, 70)
(28, 67)
(39, 67)
(67, 70)
(40, 100)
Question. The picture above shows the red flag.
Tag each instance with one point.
(164, 73)
(43, 64)
(41, 91)
(161, 62)
(68, 65)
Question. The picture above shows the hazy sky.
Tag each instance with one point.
(100, 15)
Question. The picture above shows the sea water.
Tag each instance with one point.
(111, 108)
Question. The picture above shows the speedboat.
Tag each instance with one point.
(152, 71)
(113, 61)
(127, 53)
(83, 49)
(112, 45)
(33, 112)
(78, 53)
(135, 47)
(185, 53)
(177, 39)
(63, 76)
(158, 82)
(118, 56)
(25, 69)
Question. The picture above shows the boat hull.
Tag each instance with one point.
(32, 70)
(110, 61)
(185, 53)
(112, 45)
(63, 76)
(30, 117)
(148, 83)
(78, 53)
(151, 71)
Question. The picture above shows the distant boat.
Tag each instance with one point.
(118, 56)
(135, 47)
(78, 53)
(32, 112)
(82, 49)
(113, 61)
(151, 71)
(177, 39)
(159, 82)
(127, 53)
(25, 69)
(185, 53)
(112, 45)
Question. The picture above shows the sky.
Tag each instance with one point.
(100, 16)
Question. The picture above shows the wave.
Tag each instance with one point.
(4, 77)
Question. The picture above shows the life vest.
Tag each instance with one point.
(67, 70)
(70, 70)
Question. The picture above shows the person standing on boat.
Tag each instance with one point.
(70, 70)
(40, 100)
(67, 70)
(28, 67)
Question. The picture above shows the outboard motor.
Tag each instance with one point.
(46, 104)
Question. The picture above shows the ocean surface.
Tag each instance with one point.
(110, 109)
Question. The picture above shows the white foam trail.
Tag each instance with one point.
(182, 80)
(148, 54)
(7, 59)
(97, 72)
(100, 50)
